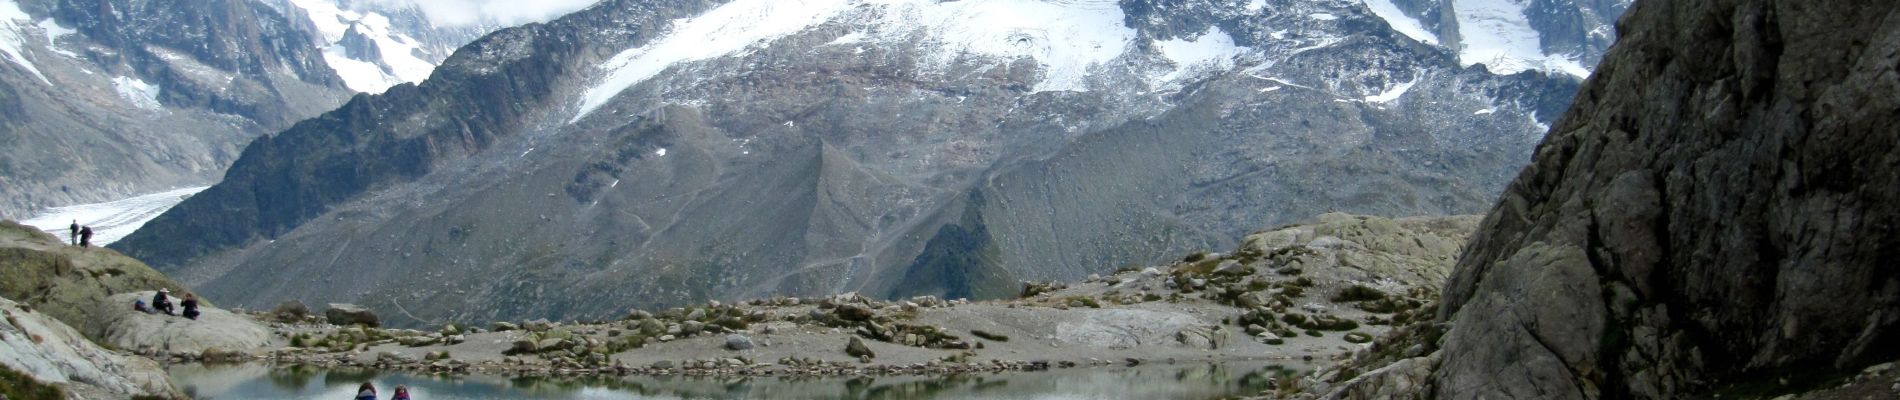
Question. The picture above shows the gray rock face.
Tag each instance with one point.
(351, 314)
(48, 351)
(1718, 209)
(215, 328)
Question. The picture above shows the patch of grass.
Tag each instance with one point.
(989, 336)
(17, 386)
(1358, 292)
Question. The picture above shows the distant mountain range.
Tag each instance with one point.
(646, 153)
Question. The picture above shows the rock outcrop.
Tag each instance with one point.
(351, 314)
(166, 334)
(43, 348)
(68, 282)
(1715, 217)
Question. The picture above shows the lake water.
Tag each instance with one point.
(1184, 381)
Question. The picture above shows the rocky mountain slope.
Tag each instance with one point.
(649, 152)
(1712, 219)
(104, 99)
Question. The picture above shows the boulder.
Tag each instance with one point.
(523, 346)
(290, 310)
(1210, 337)
(539, 325)
(351, 314)
(125, 328)
(505, 326)
(856, 348)
(853, 312)
(738, 342)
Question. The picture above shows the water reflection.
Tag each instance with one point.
(1200, 381)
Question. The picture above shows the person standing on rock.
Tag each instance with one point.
(191, 306)
(366, 392)
(85, 237)
(74, 237)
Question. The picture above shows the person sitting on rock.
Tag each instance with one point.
(191, 306)
(139, 305)
(366, 392)
(161, 303)
(402, 393)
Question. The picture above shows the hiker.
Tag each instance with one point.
(161, 303)
(366, 392)
(85, 237)
(74, 237)
(402, 393)
(139, 305)
(191, 306)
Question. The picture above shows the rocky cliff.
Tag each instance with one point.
(1714, 218)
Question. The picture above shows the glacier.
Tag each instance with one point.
(1497, 34)
(112, 220)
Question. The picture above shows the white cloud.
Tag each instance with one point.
(505, 12)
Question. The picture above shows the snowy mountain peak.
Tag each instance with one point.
(369, 50)
(1067, 40)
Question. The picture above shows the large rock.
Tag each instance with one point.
(1717, 211)
(45, 349)
(738, 342)
(214, 329)
(290, 310)
(351, 314)
(70, 283)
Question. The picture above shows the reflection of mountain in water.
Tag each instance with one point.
(1148, 382)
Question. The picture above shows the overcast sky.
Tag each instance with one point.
(509, 12)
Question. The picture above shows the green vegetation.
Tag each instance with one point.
(1358, 292)
(989, 336)
(17, 386)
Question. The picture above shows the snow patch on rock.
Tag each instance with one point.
(1405, 24)
(13, 23)
(1212, 50)
(135, 91)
